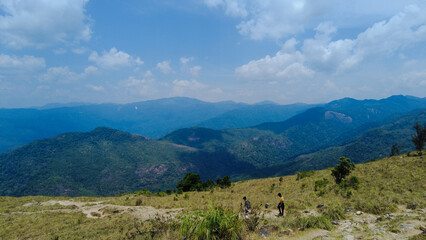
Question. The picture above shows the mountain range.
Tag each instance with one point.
(152, 119)
(107, 161)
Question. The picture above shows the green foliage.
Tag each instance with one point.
(191, 182)
(420, 138)
(320, 184)
(280, 179)
(334, 213)
(272, 187)
(216, 223)
(303, 223)
(394, 150)
(224, 183)
(304, 174)
(143, 192)
(340, 171)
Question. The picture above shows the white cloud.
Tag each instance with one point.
(195, 70)
(96, 88)
(41, 23)
(271, 18)
(59, 74)
(322, 54)
(182, 86)
(23, 63)
(185, 60)
(65, 75)
(90, 70)
(114, 59)
(164, 67)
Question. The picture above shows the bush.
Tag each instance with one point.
(340, 171)
(303, 174)
(334, 213)
(320, 184)
(213, 224)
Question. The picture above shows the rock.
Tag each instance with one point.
(358, 213)
(320, 205)
(267, 205)
(388, 216)
(349, 237)
(348, 209)
(335, 222)
(412, 206)
(264, 226)
(264, 233)
(422, 228)
(379, 219)
(405, 226)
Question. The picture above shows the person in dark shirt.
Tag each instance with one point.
(247, 205)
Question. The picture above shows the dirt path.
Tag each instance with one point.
(400, 225)
(99, 209)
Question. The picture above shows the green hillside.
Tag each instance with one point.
(108, 162)
(387, 203)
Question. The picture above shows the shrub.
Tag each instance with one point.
(320, 184)
(340, 171)
(334, 213)
(216, 223)
(420, 138)
(138, 202)
(304, 174)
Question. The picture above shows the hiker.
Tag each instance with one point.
(247, 205)
(281, 205)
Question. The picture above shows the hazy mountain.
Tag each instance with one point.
(106, 161)
(103, 162)
(254, 114)
(150, 118)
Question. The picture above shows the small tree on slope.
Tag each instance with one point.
(340, 171)
(420, 137)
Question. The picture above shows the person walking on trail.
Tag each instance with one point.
(281, 205)
(247, 205)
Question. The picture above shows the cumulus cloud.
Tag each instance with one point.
(182, 86)
(195, 70)
(22, 63)
(95, 88)
(41, 23)
(59, 74)
(271, 18)
(322, 54)
(164, 67)
(65, 75)
(114, 59)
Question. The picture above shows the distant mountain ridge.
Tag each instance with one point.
(107, 161)
(153, 118)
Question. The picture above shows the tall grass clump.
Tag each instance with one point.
(334, 213)
(216, 223)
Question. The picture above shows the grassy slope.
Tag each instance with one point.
(384, 184)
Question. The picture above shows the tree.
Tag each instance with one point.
(223, 183)
(394, 150)
(420, 138)
(340, 171)
(190, 182)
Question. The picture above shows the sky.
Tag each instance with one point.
(286, 51)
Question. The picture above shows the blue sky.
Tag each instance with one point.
(243, 50)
